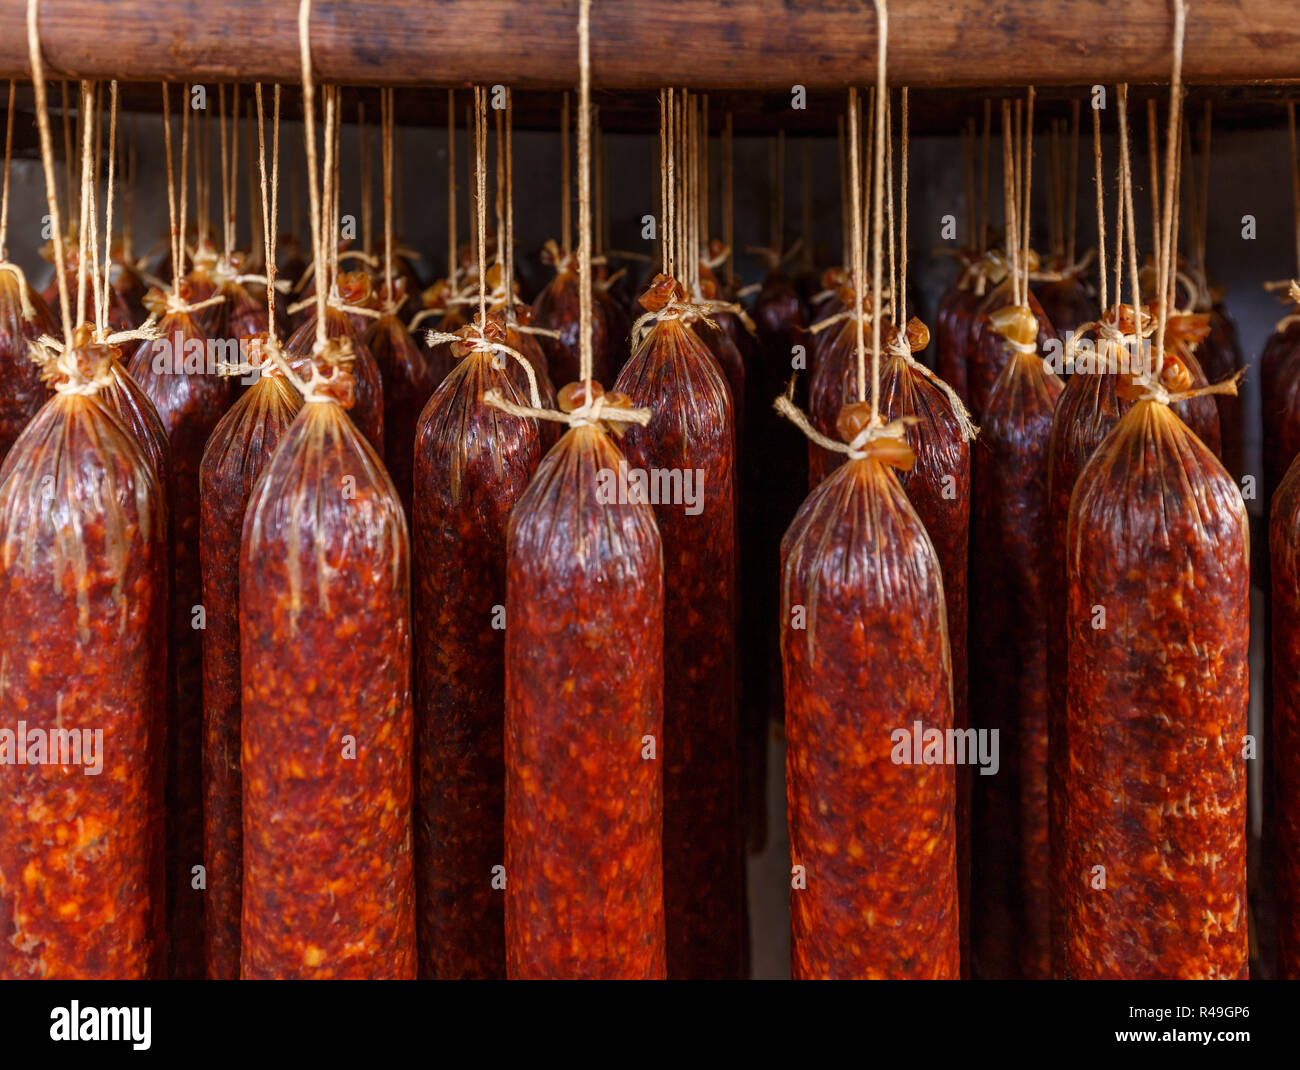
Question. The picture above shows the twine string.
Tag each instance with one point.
(47, 162)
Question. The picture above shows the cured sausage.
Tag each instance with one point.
(83, 580)
(1066, 303)
(408, 381)
(240, 447)
(528, 345)
(1221, 358)
(190, 399)
(1280, 405)
(987, 351)
(368, 413)
(1009, 562)
(939, 487)
(140, 416)
(872, 839)
(1085, 413)
(686, 456)
(556, 309)
(241, 314)
(327, 738)
(472, 464)
(1284, 544)
(1200, 414)
(1156, 708)
(720, 339)
(120, 316)
(21, 391)
(956, 310)
(833, 385)
(584, 721)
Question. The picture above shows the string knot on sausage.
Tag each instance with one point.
(582, 404)
(902, 344)
(862, 442)
(481, 337)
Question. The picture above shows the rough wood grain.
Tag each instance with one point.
(737, 44)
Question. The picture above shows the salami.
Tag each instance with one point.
(527, 344)
(240, 314)
(952, 327)
(240, 447)
(1066, 303)
(83, 580)
(353, 288)
(1156, 708)
(1284, 541)
(172, 371)
(203, 283)
(1279, 404)
(556, 309)
(1200, 414)
(834, 383)
(120, 317)
(24, 317)
(408, 381)
(472, 464)
(1009, 591)
(435, 301)
(872, 839)
(939, 487)
(1221, 358)
(720, 339)
(327, 738)
(1085, 413)
(987, 351)
(140, 416)
(584, 720)
(686, 455)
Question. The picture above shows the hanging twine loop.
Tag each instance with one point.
(84, 370)
(884, 441)
(262, 351)
(578, 408)
(666, 300)
(912, 339)
(488, 336)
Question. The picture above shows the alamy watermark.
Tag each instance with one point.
(176, 354)
(946, 746)
(652, 486)
(55, 746)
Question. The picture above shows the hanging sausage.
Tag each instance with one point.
(327, 733)
(862, 602)
(1086, 411)
(472, 464)
(1009, 561)
(190, 398)
(84, 599)
(1158, 569)
(348, 297)
(24, 317)
(584, 648)
(406, 375)
(556, 307)
(238, 451)
(686, 456)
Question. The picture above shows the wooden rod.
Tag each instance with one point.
(719, 44)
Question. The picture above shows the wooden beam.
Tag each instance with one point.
(719, 44)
